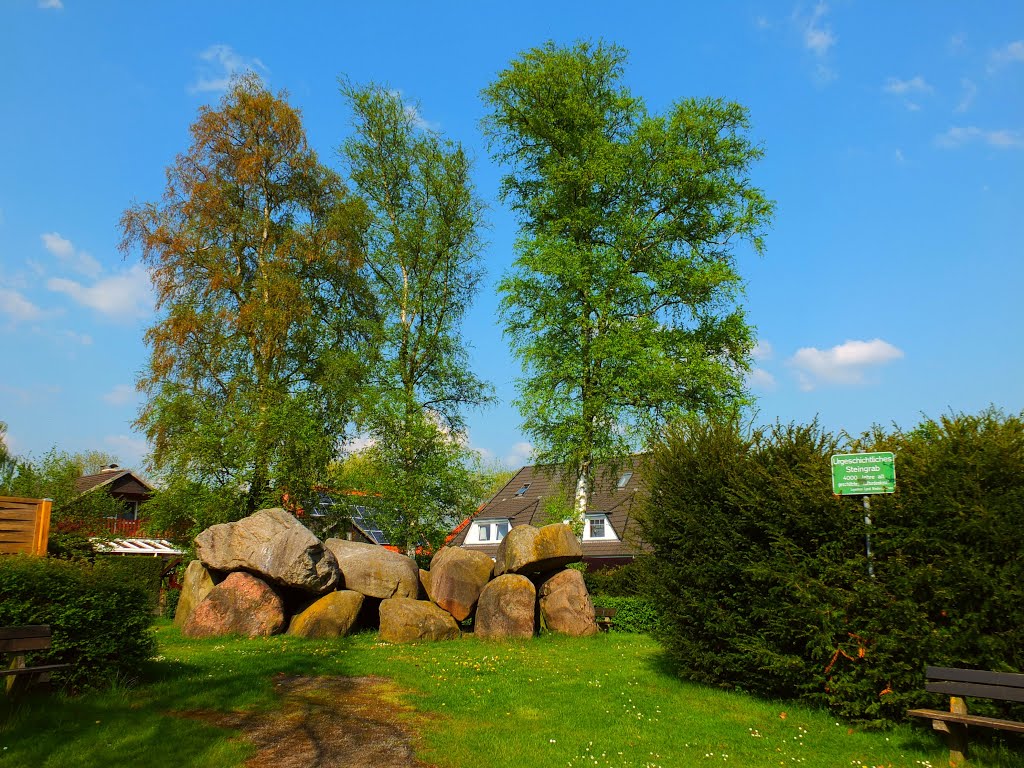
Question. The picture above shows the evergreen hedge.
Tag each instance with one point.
(100, 619)
(761, 576)
(633, 614)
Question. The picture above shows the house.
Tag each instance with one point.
(611, 535)
(124, 485)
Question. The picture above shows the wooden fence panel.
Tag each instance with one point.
(24, 525)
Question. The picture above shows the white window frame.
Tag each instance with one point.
(609, 532)
(491, 526)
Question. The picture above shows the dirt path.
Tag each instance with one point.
(326, 722)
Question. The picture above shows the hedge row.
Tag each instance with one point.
(633, 614)
(100, 615)
(762, 578)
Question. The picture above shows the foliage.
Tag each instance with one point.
(470, 709)
(633, 614)
(621, 581)
(255, 252)
(100, 619)
(423, 265)
(73, 516)
(622, 302)
(761, 575)
(170, 606)
(8, 462)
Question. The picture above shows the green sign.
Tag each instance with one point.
(858, 474)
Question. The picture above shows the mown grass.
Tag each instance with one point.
(553, 701)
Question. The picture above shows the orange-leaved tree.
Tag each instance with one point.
(255, 252)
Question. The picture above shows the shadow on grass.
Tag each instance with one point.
(140, 723)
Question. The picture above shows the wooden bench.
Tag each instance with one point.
(605, 617)
(18, 641)
(957, 683)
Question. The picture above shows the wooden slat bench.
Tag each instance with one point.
(18, 641)
(957, 683)
(605, 617)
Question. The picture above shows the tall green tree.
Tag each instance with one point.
(255, 253)
(423, 263)
(622, 304)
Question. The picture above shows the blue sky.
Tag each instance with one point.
(892, 286)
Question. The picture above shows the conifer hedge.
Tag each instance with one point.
(762, 577)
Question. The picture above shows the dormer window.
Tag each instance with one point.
(488, 531)
(598, 528)
(522, 490)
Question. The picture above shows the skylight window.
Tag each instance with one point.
(522, 490)
(624, 479)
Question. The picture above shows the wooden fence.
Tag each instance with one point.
(24, 525)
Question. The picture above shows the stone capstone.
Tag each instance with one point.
(565, 605)
(374, 571)
(240, 605)
(456, 578)
(403, 620)
(272, 544)
(530, 550)
(333, 615)
(507, 608)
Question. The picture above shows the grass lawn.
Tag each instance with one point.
(554, 701)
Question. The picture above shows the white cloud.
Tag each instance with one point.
(17, 307)
(81, 338)
(125, 295)
(121, 394)
(1009, 54)
(818, 37)
(130, 450)
(217, 65)
(898, 154)
(970, 91)
(519, 455)
(56, 5)
(961, 135)
(758, 378)
(65, 251)
(843, 364)
(916, 84)
(957, 43)
(763, 350)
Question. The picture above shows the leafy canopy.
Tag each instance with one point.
(622, 301)
(254, 252)
(423, 266)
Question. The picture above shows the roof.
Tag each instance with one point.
(360, 515)
(107, 477)
(547, 482)
(151, 547)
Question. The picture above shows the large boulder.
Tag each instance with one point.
(507, 608)
(456, 578)
(403, 620)
(565, 605)
(424, 584)
(272, 544)
(333, 615)
(239, 605)
(195, 586)
(529, 550)
(375, 571)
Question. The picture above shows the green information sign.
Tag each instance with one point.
(858, 474)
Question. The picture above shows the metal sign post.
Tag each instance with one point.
(862, 474)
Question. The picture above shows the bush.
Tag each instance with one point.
(761, 576)
(100, 619)
(621, 581)
(634, 614)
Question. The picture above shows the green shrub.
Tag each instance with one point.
(634, 614)
(171, 598)
(620, 581)
(761, 576)
(100, 620)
